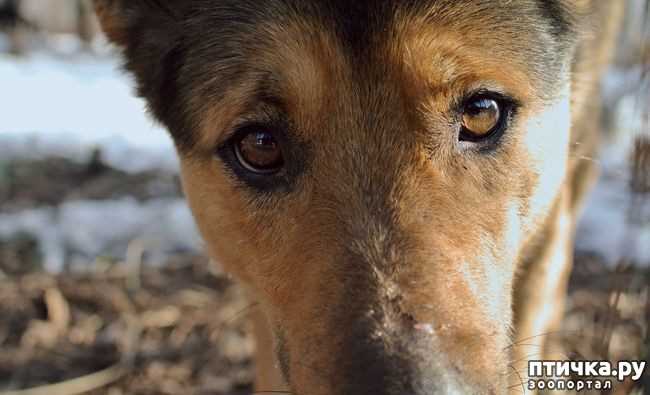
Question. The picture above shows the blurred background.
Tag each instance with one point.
(103, 285)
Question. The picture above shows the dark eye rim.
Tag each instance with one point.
(247, 131)
(230, 153)
(507, 109)
(281, 180)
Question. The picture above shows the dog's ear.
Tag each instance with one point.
(149, 34)
(121, 20)
(111, 15)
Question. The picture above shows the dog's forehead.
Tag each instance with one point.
(246, 49)
(360, 25)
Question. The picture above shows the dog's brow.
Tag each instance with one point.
(289, 75)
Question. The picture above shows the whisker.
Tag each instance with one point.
(526, 345)
(235, 317)
(540, 354)
(517, 342)
(526, 358)
(521, 380)
(241, 313)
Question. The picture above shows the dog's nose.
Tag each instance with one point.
(408, 365)
(391, 375)
(400, 382)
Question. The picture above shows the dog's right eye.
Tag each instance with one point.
(258, 151)
(263, 156)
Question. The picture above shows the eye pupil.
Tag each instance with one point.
(481, 106)
(265, 140)
(259, 152)
(480, 118)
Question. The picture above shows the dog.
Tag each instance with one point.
(395, 181)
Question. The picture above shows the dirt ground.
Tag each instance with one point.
(179, 327)
(176, 329)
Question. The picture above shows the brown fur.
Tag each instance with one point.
(384, 254)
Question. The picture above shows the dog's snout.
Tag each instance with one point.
(402, 360)
(390, 339)
(379, 371)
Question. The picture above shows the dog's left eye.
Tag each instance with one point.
(482, 118)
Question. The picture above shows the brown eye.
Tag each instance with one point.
(481, 117)
(259, 152)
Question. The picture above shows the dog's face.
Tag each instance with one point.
(370, 169)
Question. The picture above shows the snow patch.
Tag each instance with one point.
(69, 106)
(80, 231)
(607, 227)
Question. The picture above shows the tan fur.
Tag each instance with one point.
(282, 241)
(430, 245)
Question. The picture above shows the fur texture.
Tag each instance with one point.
(385, 253)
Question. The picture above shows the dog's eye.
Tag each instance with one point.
(259, 152)
(482, 118)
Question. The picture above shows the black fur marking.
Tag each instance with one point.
(562, 24)
(168, 97)
(199, 48)
(282, 354)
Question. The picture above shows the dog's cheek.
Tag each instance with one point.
(260, 246)
(547, 145)
(217, 211)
